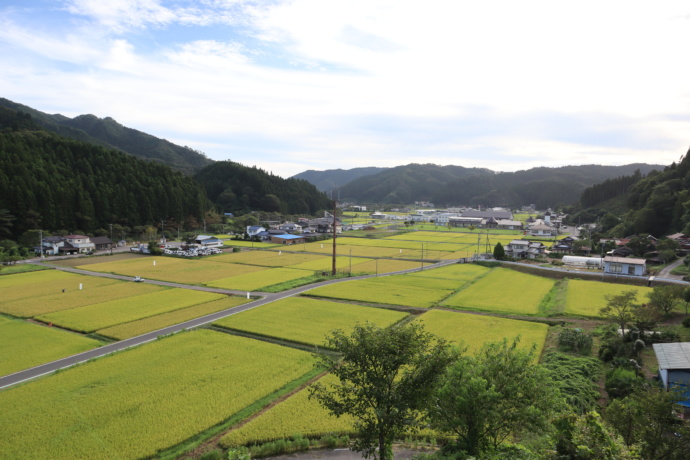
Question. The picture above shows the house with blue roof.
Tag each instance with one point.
(286, 238)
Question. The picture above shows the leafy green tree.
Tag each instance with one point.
(620, 308)
(499, 252)
(6, 223)
(686, 299)
(649, 418)
(665, 298)
(387, 377)
(495, 394)
(587, 437)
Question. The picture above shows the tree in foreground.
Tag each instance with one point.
(500, 392)
(620, 308)
(387, 377)
(665, 298)
(648, 418)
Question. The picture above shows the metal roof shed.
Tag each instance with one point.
(674, 366)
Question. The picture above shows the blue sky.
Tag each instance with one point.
(320, 84)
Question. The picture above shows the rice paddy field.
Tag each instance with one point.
(305, 320)
(229, 243)
(90, 318)
(173, 269)
(472, 331)
(503, 291)
(297, 414)
(24, 345)
(586, 298)
(267, 258)
(135, 403)
(382, 291)
(258, 280)
(459, 272)
(153, 323)
(43, 283)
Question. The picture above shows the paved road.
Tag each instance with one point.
(48, 368)
(666, 271)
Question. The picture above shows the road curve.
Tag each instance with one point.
(63, 363)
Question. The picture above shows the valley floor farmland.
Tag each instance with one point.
(154, 367)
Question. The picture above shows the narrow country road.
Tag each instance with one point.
(666, 271)
(53, 366)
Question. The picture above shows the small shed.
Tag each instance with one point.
(674, 366)
(287, 239)
(625, 266)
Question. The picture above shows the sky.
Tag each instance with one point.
(294, 85)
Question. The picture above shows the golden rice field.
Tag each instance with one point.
(472, 331)
(326, 263)
(249, 244)
(73, 298)
(503, 291)
(90, 318)
(266, 258)
(305, 320)
(44, 283)
(586, 298)
(257, 280)
(378, 290)
(135, 403)
(154, 323)
(174, 269)
(297, 414)
(24, 345)
(459, 272)
(390, 282)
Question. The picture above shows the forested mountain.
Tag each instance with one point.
(328, 180)
(455, 185)
(54, 183)
(109, 133)
(658, 204)
(234, 187)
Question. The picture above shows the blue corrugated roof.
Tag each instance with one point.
(288, 237)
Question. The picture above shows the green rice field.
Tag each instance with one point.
(587, 298)
(24, 345)
(305, 320)
(135, 403)
(503, 291)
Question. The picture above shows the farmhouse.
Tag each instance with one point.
(624, 266)
(509, 224)
(287, 239)
(524, 249)
(674, 366)
(101, 242)
(77, 244)
(208, 241)
(254, 230)
(539, 229)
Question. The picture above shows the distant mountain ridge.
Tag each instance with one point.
(457, 185)
(108, 133)
(331, 179)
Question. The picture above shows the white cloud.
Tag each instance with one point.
(325, 84)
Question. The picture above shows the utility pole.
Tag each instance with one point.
(334, 235)
(40, 242)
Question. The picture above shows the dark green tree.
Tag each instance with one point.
(665, 298)
(499, 252)
(387, 377)
(498, 393)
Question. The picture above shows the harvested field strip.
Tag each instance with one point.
(266, 258)
(503, 291)
(75, 298)
(135, 403)
(586, 298)
(91, 318)
(297, 414)
(153, 323)
(379, 291)
(472, 331)
(256, 281)
(24, 345)
(305, 320)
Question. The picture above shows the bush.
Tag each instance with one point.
(686, 322)
(576, 340)
(620, 382)
(213, 455)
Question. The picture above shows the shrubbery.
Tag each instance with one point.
(575, 340)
